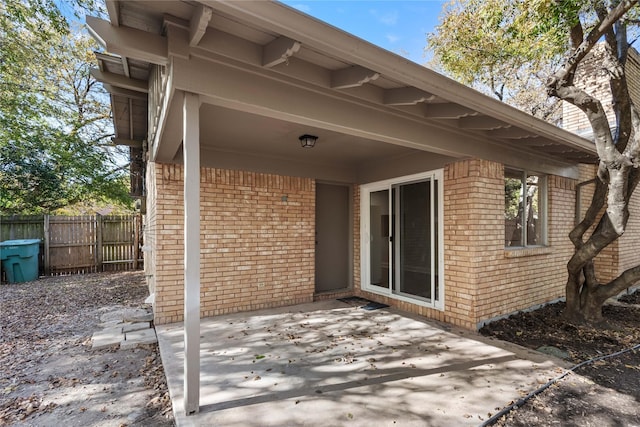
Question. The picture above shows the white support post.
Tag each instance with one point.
(191, 151)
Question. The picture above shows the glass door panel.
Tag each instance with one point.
(379, 247)
(413, 245)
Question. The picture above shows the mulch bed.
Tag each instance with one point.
(615, 380)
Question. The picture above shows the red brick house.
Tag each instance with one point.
(410, 191)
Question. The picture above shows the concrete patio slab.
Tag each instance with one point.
(331, 364)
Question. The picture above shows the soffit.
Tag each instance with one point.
(445, 103)
(273, 138)
(129, 108)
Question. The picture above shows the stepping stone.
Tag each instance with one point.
(110, 324)
(144, 336)
(123, 314)
(139, 318)
(106, 338)
(135, 326)
(554, 351)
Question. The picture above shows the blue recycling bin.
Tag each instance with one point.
(20, 259)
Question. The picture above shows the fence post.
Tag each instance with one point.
(136, 237)
(12, 233)
(47, 243)
(98, 242)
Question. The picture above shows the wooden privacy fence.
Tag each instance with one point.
(80, 244)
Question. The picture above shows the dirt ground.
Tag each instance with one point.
(603, 393)
(49, 375)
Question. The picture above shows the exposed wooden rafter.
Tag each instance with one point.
(120, 81)
(406, 96)
(535, 141)
(125, 66)
(511, 133)
(279, 51)
(447, 111)
(126, 142)
(113, 9)
(557, 149)
(126, 93)
(481, 122)
(352, 77)
(199, 23)
(177, 32)
(129, 42)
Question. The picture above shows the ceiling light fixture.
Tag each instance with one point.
(308, 141)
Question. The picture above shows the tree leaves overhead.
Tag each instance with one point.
(504, 48)
(54, 119)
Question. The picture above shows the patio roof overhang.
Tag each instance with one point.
(266, 73)
(233, 84)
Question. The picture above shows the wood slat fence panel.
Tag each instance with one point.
(118, 233)
(80, 244)
(72, 245)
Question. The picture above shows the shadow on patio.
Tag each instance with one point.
(330, 364)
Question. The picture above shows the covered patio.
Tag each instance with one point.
(213, 96)
(333, 363)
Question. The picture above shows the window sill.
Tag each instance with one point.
(526, 252)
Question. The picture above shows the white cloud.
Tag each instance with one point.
(388, 18)
(392, 38)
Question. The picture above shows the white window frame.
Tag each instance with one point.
(436, 176)
(543, 203)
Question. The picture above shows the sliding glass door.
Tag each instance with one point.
(402, 238)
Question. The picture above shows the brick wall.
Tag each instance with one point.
(356, 239)
(257, 246)
(629, 255)
(597, 84)
(169, 243)
(509, 280)
(629, 242)
(592, 77)
(150, 228)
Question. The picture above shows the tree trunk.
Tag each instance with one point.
(584, 304)
(585, 294)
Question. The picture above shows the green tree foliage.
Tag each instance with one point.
(500, 38)
(54, 118)
(507, 49)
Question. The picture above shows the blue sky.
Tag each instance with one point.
(398, 26)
